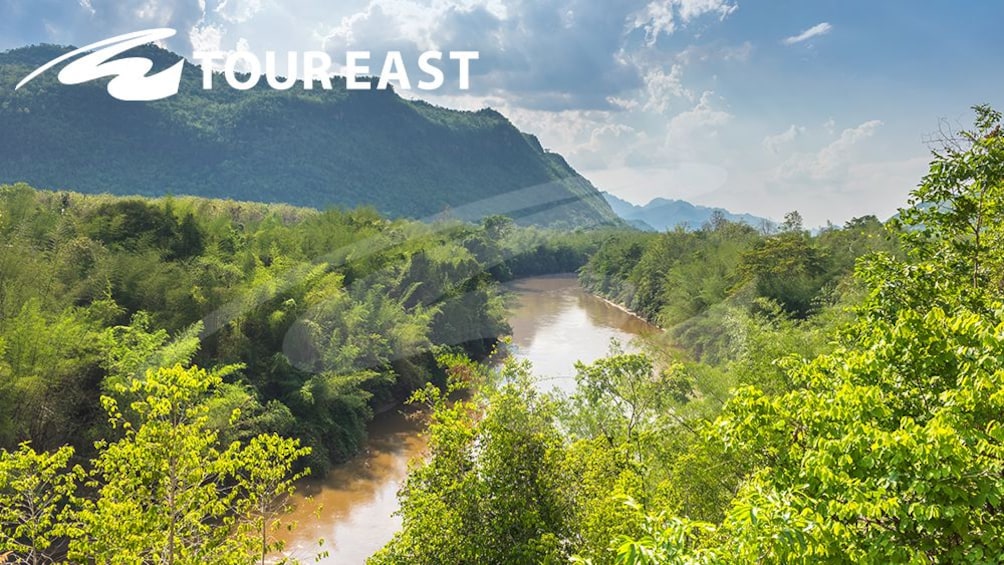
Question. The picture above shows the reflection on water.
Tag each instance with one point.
(352, 508)
(554, 323)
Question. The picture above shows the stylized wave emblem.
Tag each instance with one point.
(130, 81)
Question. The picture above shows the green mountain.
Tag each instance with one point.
(309, 148)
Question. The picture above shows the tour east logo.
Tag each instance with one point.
(131, 79)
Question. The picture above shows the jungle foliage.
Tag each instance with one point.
(170, 366)
(836, 419)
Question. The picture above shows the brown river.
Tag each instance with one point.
(555, 323)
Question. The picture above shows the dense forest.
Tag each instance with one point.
(313, 148)
(693, 283)
(171, 367)
(329, 314)
(828, 398)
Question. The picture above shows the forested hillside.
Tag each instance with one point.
(307, 148)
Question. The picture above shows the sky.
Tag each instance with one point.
(826, 107)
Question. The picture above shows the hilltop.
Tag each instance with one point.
(344, 148)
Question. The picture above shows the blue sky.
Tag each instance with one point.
(759, 107)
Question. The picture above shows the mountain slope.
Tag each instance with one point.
(663, 214)
(310, 148)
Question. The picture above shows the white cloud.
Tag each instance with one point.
(624, 103)
(830, 163)
(206, 37)
(608, 131)
(690, 9)
(596, 81)
(686, 180)
(80, 22)
(656, 19)
(659, 17)
(814, 31)
(662, 88)
(692, 135)
(702, 116)
(238, 11)
(154, 11)
(702, 53)
(833, 154)
(876, 187)
(587, 138)
(773, 143)
(210, 38)
(414, 21)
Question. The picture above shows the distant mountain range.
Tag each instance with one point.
(663, 214)
(315, 148)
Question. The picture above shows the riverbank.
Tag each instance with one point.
(555, 322)
(627, 310)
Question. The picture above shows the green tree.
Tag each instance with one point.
(166, 493)
(956, 214)
(618, 398)
(889, 448)
(488, 492)
(787, 268)
(792, 222)
(35, 488)
(263, 473)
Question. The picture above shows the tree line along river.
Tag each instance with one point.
(555, 323)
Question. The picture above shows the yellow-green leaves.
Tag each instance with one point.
(35, 488)
(896, 460)
(166, 492)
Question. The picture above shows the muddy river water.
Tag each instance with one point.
(555, 323)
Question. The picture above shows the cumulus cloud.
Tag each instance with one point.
(625, 90)
(87, 21)
(814, 31)
(663, 88)
(660, 17)
(773, 143)
(876, 187)
(555, 56)
(551, 56)
(640, 184)
(831, 162)
(238, 11)
(691, 133)
(206, 37)
(656, 19)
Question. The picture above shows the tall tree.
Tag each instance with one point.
(166, 492)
